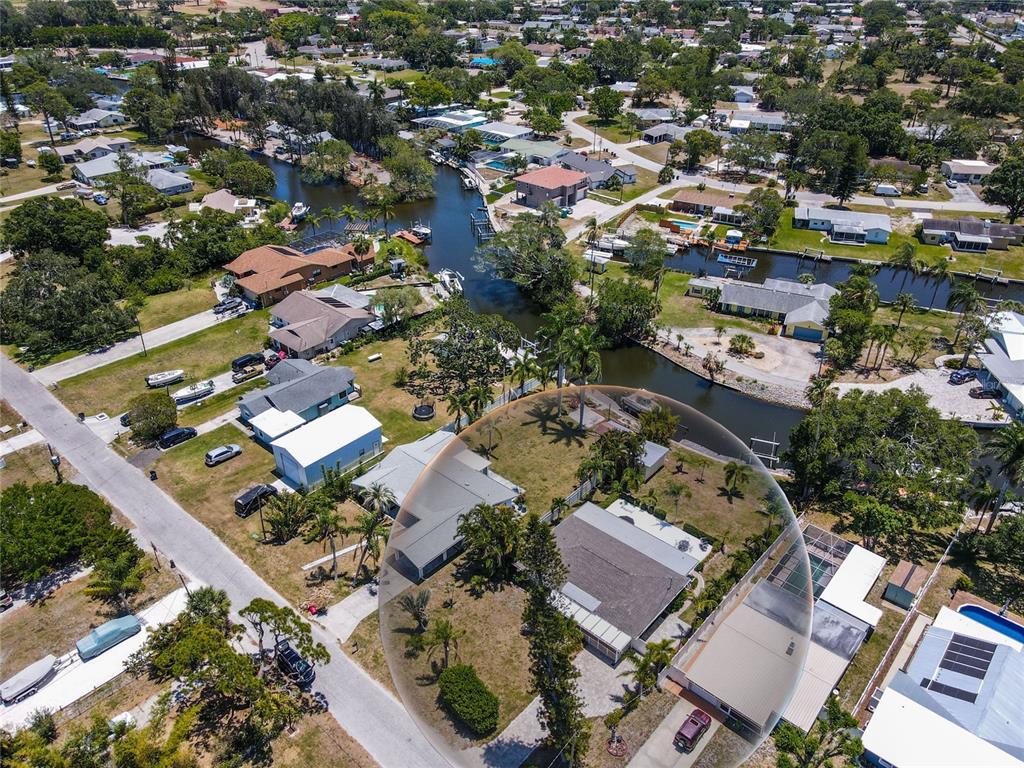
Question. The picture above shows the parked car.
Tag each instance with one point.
(245, 374)
(6, 601)
(962, 376)
(253, 358)
(296, 668)
(175, 436)
(689, 733)
(922, 189)
(126, 419)
(67, 185)
(99, 199)
(106, 636)
(886, 190)
(951, 183)
(222, 453)
(985, 393)
(84, 192)
(251, 500)
(227, 305)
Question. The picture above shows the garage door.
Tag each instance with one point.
(806, 334)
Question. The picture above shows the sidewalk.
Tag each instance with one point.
(16, 443)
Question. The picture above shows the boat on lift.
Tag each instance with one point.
(451, 281)
(423, 231)
(468, 183)
(744, 262)
(193, 392)
(299, 212)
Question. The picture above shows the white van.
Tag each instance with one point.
(886, 190)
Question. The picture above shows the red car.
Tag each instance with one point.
(690, 732)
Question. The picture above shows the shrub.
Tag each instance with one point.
(466, 697)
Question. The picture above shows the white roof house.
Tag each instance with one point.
(274, 423)
(852, 582)
(338, 440)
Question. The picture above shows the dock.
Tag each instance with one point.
(480, 223)
(746, 262)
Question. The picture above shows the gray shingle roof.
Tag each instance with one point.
(302, 392)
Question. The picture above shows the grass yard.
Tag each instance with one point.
(365, 646)
(165, 308)
(492, 644)
(656, 152)
(208, 493)
(319, 740)
(535, 448)
(9, 418)
(31, 465)
(646, 180)
(635, 728)
(405, 75)
(392, 405)
(681, 311)
(201, 354)
(218, 404)
(787, 238)
(67, 615)
(615, 131)
(14, 181)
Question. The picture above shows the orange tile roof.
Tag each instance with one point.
(553, 177)
(332, 257)
(266, 258)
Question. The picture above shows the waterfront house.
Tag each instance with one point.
(971, 234)
(1003, 359)
(536, 152)
(721, 206)
(169, 183)
(96, 118)
(599, 172)
(269, 273)
(496, 133)
(845, 227)
(339, 440)
(453, 121)
(564, 187)
(307, 324)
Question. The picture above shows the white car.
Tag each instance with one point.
(951, 183)
(222, 453)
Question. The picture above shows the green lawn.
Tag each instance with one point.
(218, 404)
(165, 308)
(201, 355)
(656, 152)
(614, 131)
(681, 311)
(787, 238)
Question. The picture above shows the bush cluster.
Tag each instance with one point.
(466, 697)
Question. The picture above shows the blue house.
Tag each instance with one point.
(340, 440)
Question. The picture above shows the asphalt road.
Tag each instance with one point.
(359, 704)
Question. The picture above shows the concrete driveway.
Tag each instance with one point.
(659, 751)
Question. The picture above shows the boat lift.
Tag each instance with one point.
(480, 222)
(766, 450)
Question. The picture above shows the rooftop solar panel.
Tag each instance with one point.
(949, 690)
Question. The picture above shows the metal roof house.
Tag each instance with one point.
(297, 386)
(1003, 359)
(339, 440)
(425, 535)
(968, 171)
(621, 577)
(845, 227)
(801, 309)
(957, 703)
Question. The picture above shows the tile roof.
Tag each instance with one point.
(552, 177)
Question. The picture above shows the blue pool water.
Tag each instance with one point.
(684, 224)
(1000, 624)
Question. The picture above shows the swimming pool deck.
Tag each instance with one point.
(966, 598)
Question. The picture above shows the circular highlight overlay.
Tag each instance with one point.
(676, 567)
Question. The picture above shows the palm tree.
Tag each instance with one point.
(416, 606)
(458, 403)
(385, 209)
(939, 273)
(370, 529)
(376, 90)
(818, 389)
(314, 220)
(700, 462)
(903, 303)
(116, 579)
(445, 636)
(903, 258)
(585, 356)
(524, 369)
(330, 215)
(875, 334)
(325, 526)
(1007, 448)
(549, 214)
(737, 474)
(592, 230)
(378, 499)
(559, 506)
(478, 398)
(555, 330)
(679, 491)
(983, 496)
(887, 334)
(964, 297)
(349, 212)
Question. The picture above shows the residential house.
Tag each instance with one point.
(96, 118)
(624, 567)
(772, 122)
(307, 324)
(544, 49)
(665, 132)
(449, 482)
(496, 133)
(298, 387)
(269, 273)
(845, 227)
(383, 64)
(453, 121)
(91, 148)
(743, 94)
(967, 171)
(91, 171)
(339, 440)
(599, 172)
(536, 152)
(654, 115)
(955, 701)
(971, 234)
(783, 648)
(223, 200)
(721, 206)
(564, 187)
(1003, 359)
(801, 309)
(169, 183)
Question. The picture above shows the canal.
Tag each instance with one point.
(454, 245)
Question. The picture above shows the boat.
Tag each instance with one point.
(193, 392)
(451, 281)
(28, 681)
(299, 211)
(747, 262)
(423, 231)
(468, 183)
(164, 378)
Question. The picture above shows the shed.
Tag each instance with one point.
(904, 584)
(338, 440)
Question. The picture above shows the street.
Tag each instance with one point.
(359, 704)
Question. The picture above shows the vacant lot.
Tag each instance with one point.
(656, 152)
(208, 493)
(391, 404)
(166, 308)
(206, 353)
(32, 465)
(491, 643)
(612, 130)
(531, 445)
(66, 616)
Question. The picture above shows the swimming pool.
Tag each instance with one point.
(1000, 624)
(685, 224)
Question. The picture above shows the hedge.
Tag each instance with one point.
(467, 699)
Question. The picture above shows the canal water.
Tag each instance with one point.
(454, 245)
